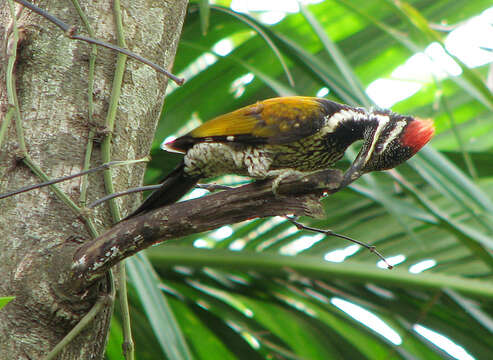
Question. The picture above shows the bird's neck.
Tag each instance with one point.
(350, 125)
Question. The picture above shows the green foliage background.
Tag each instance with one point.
(258, 304)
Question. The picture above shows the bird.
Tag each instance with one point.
(284, 135)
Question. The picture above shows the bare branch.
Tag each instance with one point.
(208, 187)
(123, 193)
(69, 177)
(294, 196)
(328, 232)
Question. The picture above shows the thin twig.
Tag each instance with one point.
(208, 187)
(68, 177)
(13, 42)
(213, 187)
(128, 343)
(17, 15)
(106, 299)
(84, 184)
(372, 248)
(13, 101)
(6, 123)
(123, 193)
(110, 124)
(128, 346)
(70, 32)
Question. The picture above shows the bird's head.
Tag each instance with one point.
(390, 140)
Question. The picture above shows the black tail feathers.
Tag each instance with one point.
(173, 187)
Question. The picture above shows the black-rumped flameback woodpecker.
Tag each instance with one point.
(286, 134)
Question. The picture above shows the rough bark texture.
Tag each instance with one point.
(52, 80)
(298, 196)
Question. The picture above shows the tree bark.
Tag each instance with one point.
(294, 195)
(51, 77)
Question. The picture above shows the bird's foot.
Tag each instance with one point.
(281, 175)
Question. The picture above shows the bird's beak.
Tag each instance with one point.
(356, 169)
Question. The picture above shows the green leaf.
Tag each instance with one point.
(255, 302)
(169, 334)
(318, 268)
(5, 300)
(340, 60)
(248, 21)
(115, 341)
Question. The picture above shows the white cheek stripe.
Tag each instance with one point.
(332, 121)
(382, 122)
(393, 134)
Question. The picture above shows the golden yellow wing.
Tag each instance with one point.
(274, 121)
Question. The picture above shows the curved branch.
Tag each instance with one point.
(295, 195)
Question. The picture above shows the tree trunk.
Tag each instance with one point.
(51, 78)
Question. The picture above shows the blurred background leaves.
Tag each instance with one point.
(264, 290)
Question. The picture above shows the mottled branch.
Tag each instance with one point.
(298, 196)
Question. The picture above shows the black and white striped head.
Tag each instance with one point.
(388, 140)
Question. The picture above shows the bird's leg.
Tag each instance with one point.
(282, 174)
